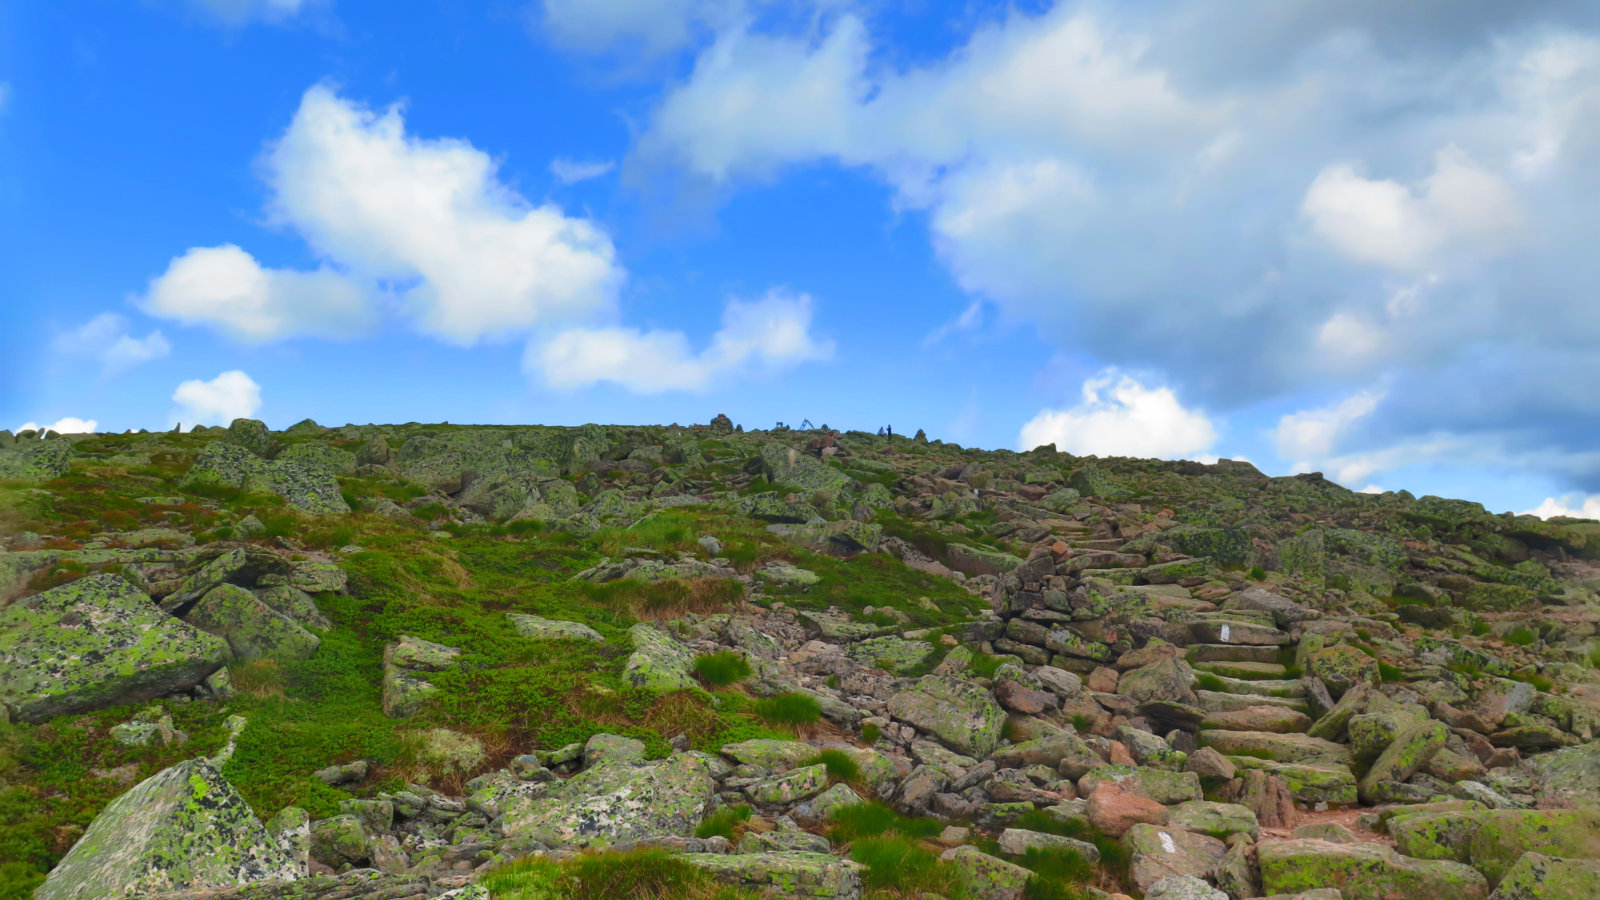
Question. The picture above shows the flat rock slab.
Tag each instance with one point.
(617, 800)
(785, 873)
(1289, 748)
(96, 642)
(182, 828)
(1363, 872)
(1156, 852)
(960, 714)
(658, 663)
(252, 629)
(541, 629)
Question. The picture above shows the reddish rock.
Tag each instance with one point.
(1060, 550)
(1102, 680)
(1113, 810)
(1020, 698)
(1120, 755)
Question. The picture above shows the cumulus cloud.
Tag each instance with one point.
(770, 334)
(66, 425)
(231, 395)
(1315, 433)
(468, 256)
(107, 340)
(1461, 205)
(1120, 416)
(570, 171)
(1389, 200)
(226, 288)
(1576, 506)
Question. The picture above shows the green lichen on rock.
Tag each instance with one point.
(541, 629)
(986, 877)
(307, 489)
(1506, 834)
(800, 470)
(617, 800)
(252, 629)
(1539, 877)
(295, 604)
(960, 714)
(405, 665)
(1440, 835)
(96, 642)
(182, 828)
(784, 873)
(1363, 872)
(1219, 820)
(35, 461)
(658, 662)
(1407, 753)
(799, 784)
(768, 753)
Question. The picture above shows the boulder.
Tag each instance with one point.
(294, 603)
(959, 713)
(1113, 810)
(1219, 820)
(986, 877)
(617, 800)
(252, 629)
(1183, 887)
(96, 642)
(1363, 872)
(35, 461)
(540, 629)
(405, 663)
(182, 828)
(789, 873)
(1503, 835)
(658, 662)
(1539, 877)
(1410, 751)
(1156, 852)
(307, 489)
(1017, 841)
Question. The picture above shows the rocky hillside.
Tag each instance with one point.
(427, 661)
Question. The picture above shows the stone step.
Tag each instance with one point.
(1328, 783)
(1248, 671)
(1227, 632)
(1230, 616)
(1287, 688)
(1232, 653)
(1276, 719)
(1288, 748)
(1095, 543)
(1214, 701)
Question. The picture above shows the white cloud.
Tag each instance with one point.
(1348, 335)
(1119, 416)
(226, 288)
(1383, 222)
(67, 425)
(106, 338)
(1315, 433)
(649, 27)
(570, 171)
(1575, 506)
(772, 333)
(969, 320)
(469, 257)
(239, 12)
(231, 395)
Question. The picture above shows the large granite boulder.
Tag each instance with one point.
(658, 662)
(406, 665)
(1363, 872)
(96, 642)
(252, 629)
(182, 828)
(308, 489)
(790, 873)
(35, 461)
(961, 714)
(617, 799)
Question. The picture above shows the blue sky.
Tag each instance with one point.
(1317, 236)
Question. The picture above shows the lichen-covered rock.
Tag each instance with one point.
(959, 713)
(1160, 785)
(1409, 751)
(307, 489)
(96, 642)
(768, 753)
(1437, 835)
(1572, 773)
(252, 629)
(1539, 877)
(790, 466)
(541, 629)
(617, 800)
(1166, 679)
(781, 790)
(340, 841)
(784, 873)
(405, 663)
(242, 566)
(1504, 835)
(252, 435)
(658, 662)
(1017, 841)
(1363, 872)
(184, 827)
(1219, 820)
(1183, 887)
(295, 604)
(316, 455)
(986, 877)
(1156, 852)
(1288, 748)
(35, 461)
(821, 808)
(1318, 782)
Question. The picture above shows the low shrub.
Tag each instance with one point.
(725, 822)
(789, 709)
(722, 668)
(841, 765)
